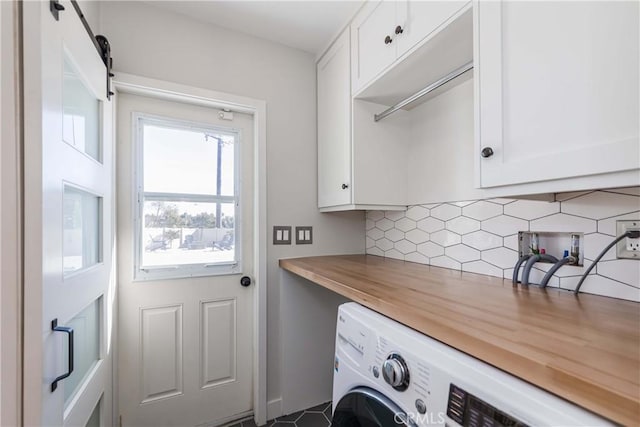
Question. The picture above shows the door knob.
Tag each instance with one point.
(399, 30)
(345, 186)
(388, 40)
(245, 281)
(486, 152)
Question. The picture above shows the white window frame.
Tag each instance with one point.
(180, 271)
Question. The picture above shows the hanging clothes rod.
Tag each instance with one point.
(433, 86)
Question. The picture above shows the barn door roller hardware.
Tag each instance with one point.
(100, 42)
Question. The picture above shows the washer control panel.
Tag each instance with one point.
(470, 411)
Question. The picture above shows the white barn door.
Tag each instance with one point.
(69, 263)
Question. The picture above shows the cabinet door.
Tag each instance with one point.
(334, 125)
(557, 89)
(418, 19)
(369, 29)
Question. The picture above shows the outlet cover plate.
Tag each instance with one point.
(627, 248)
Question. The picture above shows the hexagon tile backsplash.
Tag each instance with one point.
(482, 236)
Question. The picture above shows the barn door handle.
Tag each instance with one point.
(66, 330)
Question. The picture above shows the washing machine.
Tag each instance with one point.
(387, 375)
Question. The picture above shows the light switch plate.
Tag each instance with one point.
(281, 234)
(304, 235)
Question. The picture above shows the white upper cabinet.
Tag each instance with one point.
(334, 125)
(557, 87)
(385, 30)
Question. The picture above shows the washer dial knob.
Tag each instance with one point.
(395, 372)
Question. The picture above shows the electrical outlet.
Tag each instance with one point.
(628, 248)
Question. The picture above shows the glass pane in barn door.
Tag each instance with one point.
(69, 225)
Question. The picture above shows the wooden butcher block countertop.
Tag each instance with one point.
(585, 349)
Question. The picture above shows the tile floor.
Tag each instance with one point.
(318, 416)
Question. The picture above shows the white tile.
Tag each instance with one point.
(430, 249)
(463, 225)
(482, 210)
(463, 204)
(501, 257)
(375, 215)
(600, 205)
(564, 223)
(375, 251)
(394, 215)
(417, 213)
(512, 242)
(633, 191)
(482, 267)
(570, 270)
(416, 257)
(445, 238)
(446, 262)
(375, 234)
(446, 212)
(395, 254)
(430, 225)
(482, 240)
(538, 274)
(602, 286)
(505, 225)
(384, 224)
(369, 242)
(501, 201)
(594, 244)
(508, 273)
(622, 270)
(369, 224)
(384, 244)
(405, 224)
(405, 246)
(531, 209)
(416, 236)
(561, 197)
(462, 253)
(608, 226)
(394, 234)
(431, 205)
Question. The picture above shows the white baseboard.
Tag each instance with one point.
(274, 408)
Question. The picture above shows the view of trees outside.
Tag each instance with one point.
(177, 233)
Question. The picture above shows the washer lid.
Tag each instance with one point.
(366, 407)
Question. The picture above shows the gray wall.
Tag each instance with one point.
(152, 42)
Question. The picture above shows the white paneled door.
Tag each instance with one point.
(69, 271)
(185, 241)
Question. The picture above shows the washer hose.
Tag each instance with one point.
(516, 268)
(533, 260)
(555, 268)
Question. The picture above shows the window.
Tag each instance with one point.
(188, 211)
(82, 235)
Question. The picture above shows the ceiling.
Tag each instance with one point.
(308, 25)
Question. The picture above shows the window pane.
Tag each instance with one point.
(81, 245)
(86, 349)
(94, 419)
(81, 114)
(186, 161)
(178, 233)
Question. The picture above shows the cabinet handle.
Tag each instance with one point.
(388, 40)
(345, 186)
(399, 30)
(486, 152)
